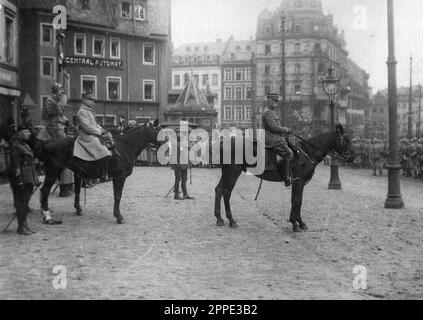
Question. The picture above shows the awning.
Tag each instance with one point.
(10, 92)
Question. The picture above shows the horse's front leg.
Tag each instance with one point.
(296, 203)
(50, 179)
(118, 184)
(217, 201)
(230, 181)
(78, 185)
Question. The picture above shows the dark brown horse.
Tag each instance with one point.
(57, 154)
(303, 168)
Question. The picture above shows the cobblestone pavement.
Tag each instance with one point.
(174, 250)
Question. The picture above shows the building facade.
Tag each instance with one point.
(202, 61)
(312, 45)
(9, 66)
(237, 91)
(117, 50)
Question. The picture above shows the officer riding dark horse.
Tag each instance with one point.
(277, 139)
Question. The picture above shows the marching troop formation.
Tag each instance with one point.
(373, 154)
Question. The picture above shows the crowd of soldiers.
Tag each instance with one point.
(373, 154)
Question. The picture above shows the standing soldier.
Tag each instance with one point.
(357, 150)
(414, 158)
(367, 149)
(56, 123)
(22, 177)
(402, 155)
(377, 153)
(181, 170)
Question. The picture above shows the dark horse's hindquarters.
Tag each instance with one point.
(316, 150)
(57, 154)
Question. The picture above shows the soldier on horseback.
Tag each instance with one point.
(89, 146)
(56, 125)
(276, 138)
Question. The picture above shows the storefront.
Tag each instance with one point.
(9, 96)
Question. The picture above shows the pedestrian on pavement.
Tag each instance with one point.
(22, 177)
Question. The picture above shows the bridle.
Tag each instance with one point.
(341, 137)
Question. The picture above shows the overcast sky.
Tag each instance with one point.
(207, 20)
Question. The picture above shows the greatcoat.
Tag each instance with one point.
(88, 146)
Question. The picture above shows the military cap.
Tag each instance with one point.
(88, 96)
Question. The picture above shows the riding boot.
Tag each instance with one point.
(287, 171)
(177, 194)
(20, 215)
(185, 192)
(65, 190)
(26, 227)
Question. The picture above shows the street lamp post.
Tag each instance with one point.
(394, 199)
(331, 88)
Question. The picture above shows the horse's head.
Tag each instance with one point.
(153, 130)
(343, 145)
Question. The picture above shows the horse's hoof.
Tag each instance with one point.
(120, 221)
(79, 213)
(296, 227)
(220, 223)
(303, 227)
(233, 225)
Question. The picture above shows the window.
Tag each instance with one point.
(177, 80)
(126, 10)
(298, 28)
(267, 70)
(149, 90)
(321, 68)
(228, 112)
(9, 39)
(186, 78)
(318, 46)
(238, 112)
(228, 93)
(89, 85)
(47, 35)
(205, 79)
(98, 47)
(215, 80)
(85, 4)
(139, 12)
(297, 89)
(248, 93)
(248, 74)
(80, 44)
(115, 48)
(149, 53)
(48, 67)
(228, 74)
(238, 93)
(196, 78)
(114, 91)
(267, 49)
(297, 48)
(109, 120)
(238, 74)
(298, 68)
(248, 112)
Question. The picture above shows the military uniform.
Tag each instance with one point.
(276, 136)
(414, 158)
(56, 122)
(377, 156)
(88, 146)
(181, 173)
(22, 179)
(420, 157)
